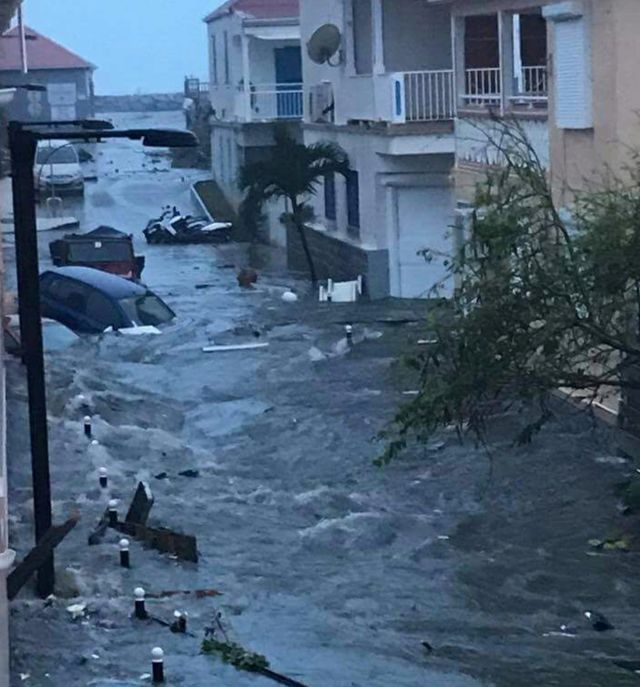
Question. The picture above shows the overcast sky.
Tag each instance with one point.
(147, 45)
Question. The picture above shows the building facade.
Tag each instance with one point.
(386, 97)
(67, 77)
(255, 81)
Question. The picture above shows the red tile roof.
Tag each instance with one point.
(258, 9)
(42, 53)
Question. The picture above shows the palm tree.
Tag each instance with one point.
(294, 171)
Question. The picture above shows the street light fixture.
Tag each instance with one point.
(23, 142)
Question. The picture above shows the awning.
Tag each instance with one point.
(274, 33)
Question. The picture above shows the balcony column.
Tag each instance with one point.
(246, 78)
(459, 65)
(378, 36)
(505, 36)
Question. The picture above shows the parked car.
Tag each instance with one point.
(55, 336)
(57, 169)
(104, 248)
(91, 301)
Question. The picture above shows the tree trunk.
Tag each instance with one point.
(297, 220)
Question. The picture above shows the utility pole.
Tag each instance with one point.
(23, 151)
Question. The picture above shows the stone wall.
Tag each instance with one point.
(339, 260)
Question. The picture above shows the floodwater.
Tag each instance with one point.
(334, 569)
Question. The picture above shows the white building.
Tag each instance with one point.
(255, 80)
(387, 97)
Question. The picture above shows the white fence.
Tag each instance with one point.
(429, 95)
(268, 102)
(483, 86)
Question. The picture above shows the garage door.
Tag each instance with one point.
(424, 219)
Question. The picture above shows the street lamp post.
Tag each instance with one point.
(23, 140)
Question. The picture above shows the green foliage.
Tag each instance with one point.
(293, 171)
(235, 655)
(545, 298)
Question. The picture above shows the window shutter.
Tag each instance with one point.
(572, 67)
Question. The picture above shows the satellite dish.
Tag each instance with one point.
(324, 44)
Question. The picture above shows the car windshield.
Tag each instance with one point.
(56, 156)
(147, 310)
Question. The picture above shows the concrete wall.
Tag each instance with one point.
(30, 105)
(580, 158)
(336, 259)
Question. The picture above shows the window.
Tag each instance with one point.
(227, 76)
(330, 196)
(573, 76)
(146, 310)
(362, 36)
(63, 155)
(230, 169)
(214, 60)
(101, 310)
(221, 159)
(353, 203)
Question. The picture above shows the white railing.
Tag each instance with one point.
(429, 95)
(483, 86)
(268, 102)
(532, 87)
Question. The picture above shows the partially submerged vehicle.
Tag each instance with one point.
(55, 336)
(91, 301)
(174, 228)
(104, 248)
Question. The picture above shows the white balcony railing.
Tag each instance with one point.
(532, 87)
(483, 86)
(269, 102)
(429, 96)
(423, 96)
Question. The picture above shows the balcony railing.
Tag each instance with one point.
(429, 96)
(483, 86)
(268, 102)
(533, 88)
(423, 96)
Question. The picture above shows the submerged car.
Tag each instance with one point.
(57, 168)
(55, 336)
(91, 301)
(104, 248)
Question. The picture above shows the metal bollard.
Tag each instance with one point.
(157, 664)
(180, 624)
(140, 610)
(349, 332)
(103, 477)
(113, 513)
(87, 426)
(125, 560)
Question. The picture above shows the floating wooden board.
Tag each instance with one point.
(20, 575)
(234, 347)
(184, 546)
(140, 506)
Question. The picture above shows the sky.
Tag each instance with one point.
(144, 46)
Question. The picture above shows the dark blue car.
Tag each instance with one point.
(90, 301)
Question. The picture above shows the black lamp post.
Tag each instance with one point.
(23, 140)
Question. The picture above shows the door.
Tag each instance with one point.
(289, 82)
(423, 221)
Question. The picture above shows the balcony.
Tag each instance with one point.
(483, 88)
(269, 102)
(423, 96)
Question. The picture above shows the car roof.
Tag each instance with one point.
(115, 286)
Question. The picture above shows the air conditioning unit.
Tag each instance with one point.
(322, 104)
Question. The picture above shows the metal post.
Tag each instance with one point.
(23, 150)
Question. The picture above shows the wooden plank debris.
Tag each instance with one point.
(234, 347)
(20, 575)
(183, 546)
(141, 505)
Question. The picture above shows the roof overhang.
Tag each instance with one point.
(273, 32)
